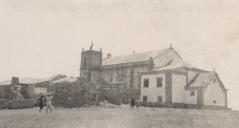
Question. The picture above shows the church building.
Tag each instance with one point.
(156, 77)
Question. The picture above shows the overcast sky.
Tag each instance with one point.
(39, 38)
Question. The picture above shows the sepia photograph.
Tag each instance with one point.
(119, 63)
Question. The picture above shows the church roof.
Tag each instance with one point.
(176, 63)
(136, 57)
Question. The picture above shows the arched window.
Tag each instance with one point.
(84, 62)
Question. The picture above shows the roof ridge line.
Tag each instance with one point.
(141, 53)
(166, 50)
(167, 64)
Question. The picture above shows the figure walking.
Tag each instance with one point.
(41, 103)
(48, 103)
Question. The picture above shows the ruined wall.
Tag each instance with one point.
(127, 75)
(4, 91)
(27, 91)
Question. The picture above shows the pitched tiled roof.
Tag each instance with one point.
(134, 57)
(29, 80)
(66, 79)
(54, 77)
(6, 82)
(176, 63)
(204, 79)
(26, 80)
(201, 80)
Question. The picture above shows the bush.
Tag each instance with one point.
(113, 96)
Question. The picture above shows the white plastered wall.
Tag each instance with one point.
(190, 99)
(214, 92)
(152, 92)
(179, 94)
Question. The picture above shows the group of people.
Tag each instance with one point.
(133, 103)
(45, 101)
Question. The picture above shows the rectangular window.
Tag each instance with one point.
(159, 82)
(145, 98)
(214, 101)
(146, 83)
(160, 99)
(192, 93)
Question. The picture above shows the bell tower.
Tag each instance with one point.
(91, 61)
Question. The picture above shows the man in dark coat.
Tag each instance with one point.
(132, 103)
(41, 103)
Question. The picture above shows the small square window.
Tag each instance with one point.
(192, 93)
(214, 101)
(145, 98)
(214, 80)
(146, 83)
(159, 82)
(160, 99)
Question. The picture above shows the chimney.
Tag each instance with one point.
(109, 55)
(15, 80)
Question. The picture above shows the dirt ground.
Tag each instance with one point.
(119, 117)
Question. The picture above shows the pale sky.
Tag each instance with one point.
(39, 38)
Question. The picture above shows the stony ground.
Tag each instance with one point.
(119, 117)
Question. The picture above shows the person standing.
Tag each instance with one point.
(48, 103)
(137, 104)
(41, 103)
(132, 103)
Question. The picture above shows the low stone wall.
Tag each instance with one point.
(215, 107)
(3, 103)
(21, 104)
(16, 104)
(170, 105)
